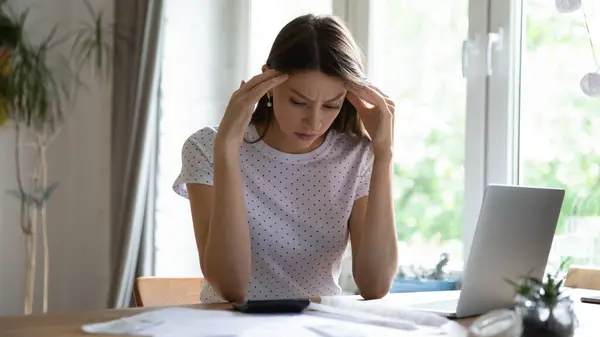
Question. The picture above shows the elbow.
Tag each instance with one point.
(231, 287)
(229, 290)
(374, 285)
(368, 296)
(374, 291)
(234, 295)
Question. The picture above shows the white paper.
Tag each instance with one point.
(186, 322)
(385, 309)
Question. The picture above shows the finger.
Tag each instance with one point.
(388, 100)
(369, 95)
(267, 75)
(355, 100)
(242, 83)
(379, 91)
(262, 88)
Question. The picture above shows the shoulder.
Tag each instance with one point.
(357, 147)
(202, 138)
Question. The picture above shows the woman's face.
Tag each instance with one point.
(305, 106)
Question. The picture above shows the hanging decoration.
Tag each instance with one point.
(590, 83)
(567, 6)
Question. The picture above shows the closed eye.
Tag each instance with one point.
(331, 107)
(297, 103)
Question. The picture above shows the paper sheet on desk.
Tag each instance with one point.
(381, 308)
(184, 322)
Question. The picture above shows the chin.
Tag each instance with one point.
(305, 138)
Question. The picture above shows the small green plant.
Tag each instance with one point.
(547, 292)
(544, 306)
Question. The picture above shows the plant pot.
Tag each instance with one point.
(540, 320)
(402, 285)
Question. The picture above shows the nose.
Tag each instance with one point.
(312, 119)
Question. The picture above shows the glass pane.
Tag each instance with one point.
(266, 20)
(415, 57)
(559, 138)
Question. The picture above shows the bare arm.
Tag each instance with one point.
(373, 235)
(221, 228)
(219, 212)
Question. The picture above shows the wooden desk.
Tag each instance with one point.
(69, 324)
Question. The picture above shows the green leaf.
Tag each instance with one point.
(22, 196)
(49, 190)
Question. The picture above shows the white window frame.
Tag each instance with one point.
(504, 93)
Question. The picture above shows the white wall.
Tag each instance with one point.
(78, 214)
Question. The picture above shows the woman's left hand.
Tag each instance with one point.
(376, 110)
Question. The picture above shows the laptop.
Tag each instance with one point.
(513, 238)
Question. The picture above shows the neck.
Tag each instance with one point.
(278, 140)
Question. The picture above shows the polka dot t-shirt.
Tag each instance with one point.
(297, 205)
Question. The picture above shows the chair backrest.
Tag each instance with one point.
(166, 291)
(583, 277)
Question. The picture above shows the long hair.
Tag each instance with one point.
(322, 43)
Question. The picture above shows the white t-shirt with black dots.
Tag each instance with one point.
(297, 205)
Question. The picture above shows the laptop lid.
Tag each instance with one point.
(513, 238)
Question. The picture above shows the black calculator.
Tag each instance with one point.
(271, 306)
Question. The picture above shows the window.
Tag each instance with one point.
(421, 71)
(486, 92)
(558, 131)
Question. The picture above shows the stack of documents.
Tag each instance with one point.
(318, 320)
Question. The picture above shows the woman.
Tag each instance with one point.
(277, 190)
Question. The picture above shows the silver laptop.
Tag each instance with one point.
(513, 238)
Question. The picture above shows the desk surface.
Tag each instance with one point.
(69, 324)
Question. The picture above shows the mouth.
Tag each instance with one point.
(305, 136)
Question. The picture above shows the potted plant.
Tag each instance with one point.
(38, 90)
(544, 307)
(425, 279)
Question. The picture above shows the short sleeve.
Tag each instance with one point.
(364, 179)
(197, 163)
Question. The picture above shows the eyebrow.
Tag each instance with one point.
(308, 99)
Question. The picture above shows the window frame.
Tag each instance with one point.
(504, 93)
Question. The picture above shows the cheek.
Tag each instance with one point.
(287, 114)
(328, 117)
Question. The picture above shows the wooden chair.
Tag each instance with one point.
(583, 277)
(162, 291)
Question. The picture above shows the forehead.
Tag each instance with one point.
(315, 83)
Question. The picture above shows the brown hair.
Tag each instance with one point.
(323, 43)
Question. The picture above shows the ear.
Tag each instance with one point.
(264, 68)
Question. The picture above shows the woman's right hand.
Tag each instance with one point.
(241, 106)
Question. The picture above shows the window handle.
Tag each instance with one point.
(494, 42)
(470, 54)
(466, 49)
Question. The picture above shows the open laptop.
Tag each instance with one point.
(513, 238)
